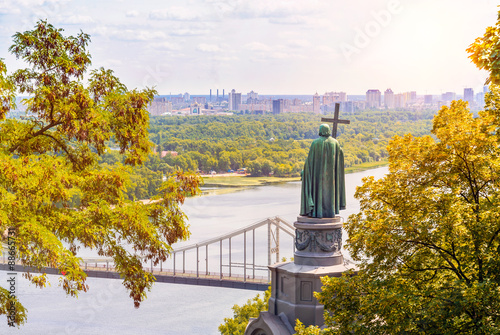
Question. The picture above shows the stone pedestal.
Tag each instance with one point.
(318, 245)
(318, 241)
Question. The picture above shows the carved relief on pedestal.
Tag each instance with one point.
(317, 241)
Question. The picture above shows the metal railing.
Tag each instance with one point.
(249, 266)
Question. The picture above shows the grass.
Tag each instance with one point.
(243, 181)
(246, 181)
(365, 166)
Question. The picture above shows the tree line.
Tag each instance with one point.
(264, 144)
(275, 143)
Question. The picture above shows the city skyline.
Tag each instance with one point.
(293, 47)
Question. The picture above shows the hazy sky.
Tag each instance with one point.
(271, 46)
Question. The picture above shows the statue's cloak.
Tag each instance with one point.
(323, 180)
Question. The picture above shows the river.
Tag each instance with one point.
(169, 308)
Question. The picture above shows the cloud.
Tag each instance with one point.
(278, 55)
(111, 62)
(128, 34)
(225, 58)
(76, 19)
(208, 47)
(132, 13)
(31, 3)
(295, 19)
(297, 43)
(278, 9)
(165, 46)
(189, 32)
(325, 49)
(8, 8)
(324, 52)
(141, 35)
(257, 46)
(175, 14)
(263, 52)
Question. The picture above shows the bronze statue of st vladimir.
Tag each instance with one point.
(323, 180)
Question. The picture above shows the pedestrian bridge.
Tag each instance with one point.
(236, 259)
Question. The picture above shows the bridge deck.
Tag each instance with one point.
(103, 267)
(188, 278)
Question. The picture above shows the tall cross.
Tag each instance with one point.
(335, 120)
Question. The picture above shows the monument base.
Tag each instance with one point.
(318, 241)
(268, 324)
(292, 290)
(318, 254)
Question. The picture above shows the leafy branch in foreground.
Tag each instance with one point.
(52, 156)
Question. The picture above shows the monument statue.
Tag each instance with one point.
(323, 180)
(318, 241)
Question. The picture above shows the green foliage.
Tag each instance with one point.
(54, 195)
(427, 236)
(300, 329)
(485, 52)
(275, 143)
(242, 314)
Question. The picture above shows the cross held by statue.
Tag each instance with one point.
(335, 120)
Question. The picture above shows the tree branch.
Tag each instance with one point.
(39, 132)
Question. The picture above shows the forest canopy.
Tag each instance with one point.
(264, 144)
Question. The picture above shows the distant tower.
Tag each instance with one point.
(373, 98)
(234, 100)
(223, 94)
(469, 96)
(389, 99)
(278, 106)
(252, 97)
(448, 96)
(210, 95)
(316, 103)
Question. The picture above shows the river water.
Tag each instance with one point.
(169, 308)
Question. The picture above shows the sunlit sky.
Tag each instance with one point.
(270, 46)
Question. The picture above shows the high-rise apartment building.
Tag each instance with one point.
(234, 100)
(373, 98)
(252, 97)
(177, 100)
(412, 97)
(278, 106)
(199, 100)
(389, 98)
(160, 106)
(469, 96)
(332, 97)
(316, 103)
(448, 96)
(400, 100)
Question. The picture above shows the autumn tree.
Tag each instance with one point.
(427, 237)
(51, 156)
(242, 314)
